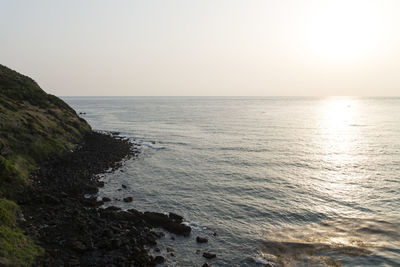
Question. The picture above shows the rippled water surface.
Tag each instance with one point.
(284, 181)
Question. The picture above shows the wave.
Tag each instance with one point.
(150, 145)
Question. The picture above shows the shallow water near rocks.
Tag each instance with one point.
(282, 181)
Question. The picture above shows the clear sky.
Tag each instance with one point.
(204, 47)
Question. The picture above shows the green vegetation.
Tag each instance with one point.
(33, 127)
(15, 248)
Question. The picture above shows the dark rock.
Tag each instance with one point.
(179, 229)
(159, 259)
(169, 249)
(112, 208)
(115, 243)
(108, 233)
(175, 217)
(78, 246)
(200, 239)
(158, 234)
(172, 254)
(124, 186)
(162, 220)
(106, 199)
(157, 249)
(71, 228)
(206, 265)
(90, 189)
(151, 239)
(209, 255)
(156, 218)
(128, 199)
(73, 262)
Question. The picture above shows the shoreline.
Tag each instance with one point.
(62, 214)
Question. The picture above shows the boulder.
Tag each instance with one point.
(175, 217)
(200, 239)
(209, 255)
(128, 199)
(159, 260)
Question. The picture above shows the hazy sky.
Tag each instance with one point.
(204, 47)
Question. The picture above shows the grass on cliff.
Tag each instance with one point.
(15, 248)
(34, 126)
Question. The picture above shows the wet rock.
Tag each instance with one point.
(175, 217)
(106, 199)
(159, 259)
(161, 220)
(169, 249)
(156, 218)
(209, 255)
(158, 234)
(206, 265)
(128, 199)
(179, 229)
(124, 186)
(200, 239)
(151, 240)
(157, 249)
(112, 208)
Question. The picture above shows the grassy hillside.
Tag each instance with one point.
(34, 126)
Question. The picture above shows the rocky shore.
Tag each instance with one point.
(61, 211)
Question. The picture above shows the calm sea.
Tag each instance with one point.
(282, 181)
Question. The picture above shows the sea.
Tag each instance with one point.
(269, 181)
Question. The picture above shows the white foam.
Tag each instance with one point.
(141, 144)
(261, 261)
(153, 146)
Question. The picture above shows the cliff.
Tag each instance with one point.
(34, 126)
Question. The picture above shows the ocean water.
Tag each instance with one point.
(281, 181)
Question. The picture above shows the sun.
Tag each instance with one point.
(344, 30)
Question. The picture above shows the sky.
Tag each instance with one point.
(204, 47)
